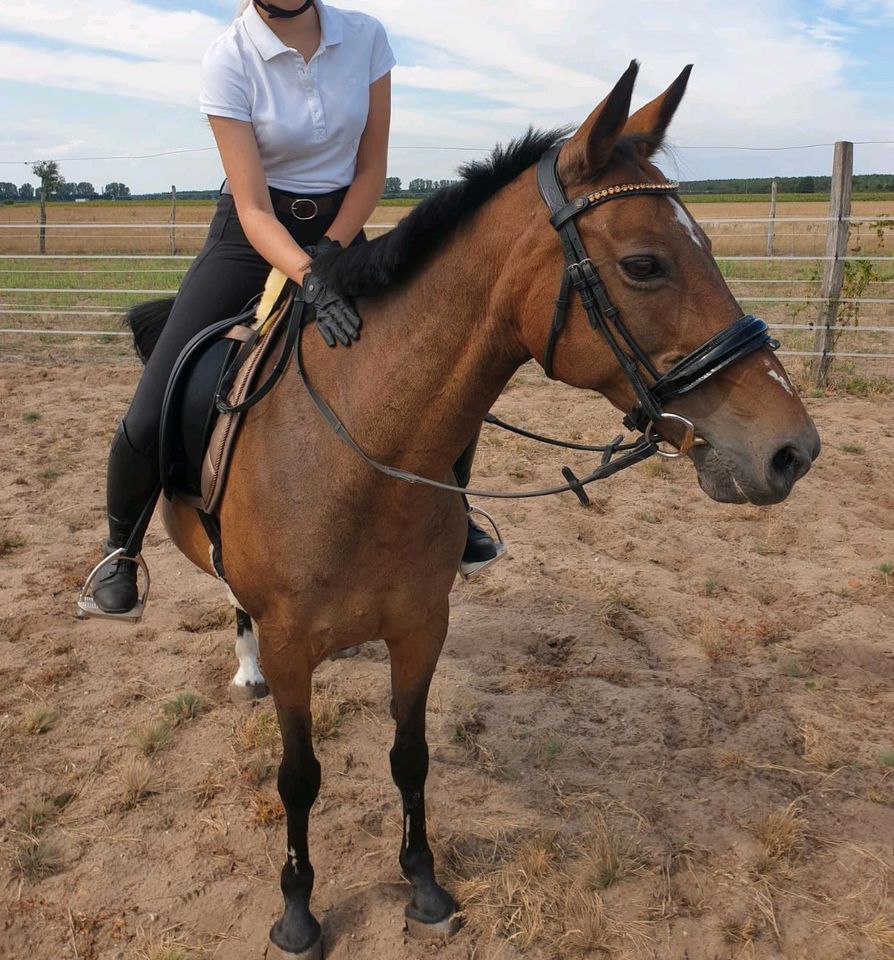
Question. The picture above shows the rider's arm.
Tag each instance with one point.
(372, 162)
(245, 173)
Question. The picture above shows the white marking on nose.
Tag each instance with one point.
(781, 381)
(684, 218)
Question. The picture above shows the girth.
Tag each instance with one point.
(652, 389)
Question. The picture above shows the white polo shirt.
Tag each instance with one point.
(307, 117)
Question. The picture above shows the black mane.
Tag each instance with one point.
(389, 259)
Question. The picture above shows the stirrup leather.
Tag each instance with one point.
(470, 570)
(87, 606)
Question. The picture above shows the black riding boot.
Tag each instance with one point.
(132, 488)
(481, 549)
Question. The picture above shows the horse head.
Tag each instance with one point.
(654, 263)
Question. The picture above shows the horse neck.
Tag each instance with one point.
(434, 354)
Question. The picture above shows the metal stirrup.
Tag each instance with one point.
(88, 607)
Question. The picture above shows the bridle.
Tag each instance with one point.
(736, 341)
(740, 338)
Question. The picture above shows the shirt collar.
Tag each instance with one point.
(268, 43)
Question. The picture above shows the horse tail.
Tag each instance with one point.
(146, 321)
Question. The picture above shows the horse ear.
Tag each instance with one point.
(649, 124)
(590, 149)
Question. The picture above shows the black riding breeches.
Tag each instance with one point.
(221, 280)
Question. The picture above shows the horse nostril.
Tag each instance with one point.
(789, 463)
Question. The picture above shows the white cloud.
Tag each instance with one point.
(121, 26)
(485, 70)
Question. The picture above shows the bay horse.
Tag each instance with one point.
(324, 552)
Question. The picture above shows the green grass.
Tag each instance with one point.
(30, 416)
(185, 706)
(41, 720)
(886, 759)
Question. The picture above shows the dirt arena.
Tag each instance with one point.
(664, 728)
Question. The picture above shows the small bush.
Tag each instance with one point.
(33, 859)
(152, 737)
(185, 706)
(138, 781)
(41, 720)
(10, 542)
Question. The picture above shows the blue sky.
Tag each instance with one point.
(104, 78)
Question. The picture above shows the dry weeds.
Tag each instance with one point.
(152, 737)
(163, 946)
(535, 888)
(819, 749)
(138, 781)
(40, 720)
(781, 833)
(330, 710)
(260, 729)
(34, 858)
(205, 621)
(264, 810)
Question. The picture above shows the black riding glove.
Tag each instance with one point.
(336, 318)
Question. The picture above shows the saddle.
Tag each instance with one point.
(211, 387)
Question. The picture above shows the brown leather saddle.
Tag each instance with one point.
(213, 383)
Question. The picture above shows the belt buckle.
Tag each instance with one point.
(313, 204)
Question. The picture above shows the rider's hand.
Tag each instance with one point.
(336, 318)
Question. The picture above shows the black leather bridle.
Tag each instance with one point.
(729, 345)
(739, 339)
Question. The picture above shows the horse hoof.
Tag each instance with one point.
(442, 930)
(313, 952)
(251, 691)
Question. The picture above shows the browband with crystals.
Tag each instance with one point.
(600, 195)
(618, 190)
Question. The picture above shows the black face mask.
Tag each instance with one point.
(274, 11)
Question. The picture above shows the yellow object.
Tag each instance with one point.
(276, 280)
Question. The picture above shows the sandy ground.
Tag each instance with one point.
(663, 728)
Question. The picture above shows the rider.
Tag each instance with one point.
(298, 97)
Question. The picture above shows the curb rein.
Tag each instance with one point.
(734, 342)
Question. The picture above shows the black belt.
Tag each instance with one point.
(306, 207)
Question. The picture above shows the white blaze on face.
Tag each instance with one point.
(688, 223)
(781, 381)
(778, 377)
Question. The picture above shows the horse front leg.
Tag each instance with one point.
(297, 932)
(431, 912)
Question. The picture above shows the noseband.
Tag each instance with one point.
(740, 338)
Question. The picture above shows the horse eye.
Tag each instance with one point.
(642, 268)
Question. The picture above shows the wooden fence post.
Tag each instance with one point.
(836, 248)
(42, 220)
(771, 223)
(173, 220)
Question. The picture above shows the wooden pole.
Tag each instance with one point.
(42, 220)
(836, 248)
(173, 220)
(771, 224)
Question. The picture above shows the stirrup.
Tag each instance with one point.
(470, 570)
(87, 606)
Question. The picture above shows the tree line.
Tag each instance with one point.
(54, 186)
